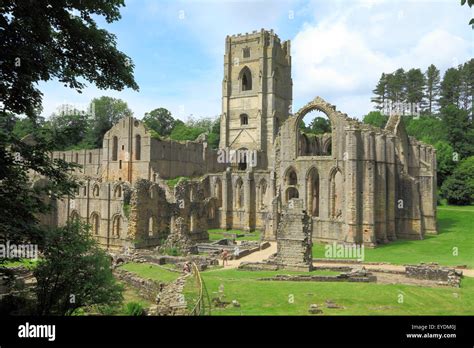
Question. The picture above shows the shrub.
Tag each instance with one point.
(134, 309)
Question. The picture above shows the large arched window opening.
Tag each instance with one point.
(116, 226)
(246, 78)
(312, 190)
(239, 194)
(242, 158)
(218, 191)
(315, 134)
(244, 120)
(118, 191)
(262, 191)
(96, 190)
(150, 227)
(291, 177)
(114, 148)
(192, 222)
(95, 223)
(336, 194)
(291, 193)
(138, 147)
(74, 217)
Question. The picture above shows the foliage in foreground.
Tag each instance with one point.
(74, 272)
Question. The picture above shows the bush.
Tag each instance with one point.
(459, 188)
(74, 272)
(134, 309)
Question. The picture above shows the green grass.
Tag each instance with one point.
(216, 234)
(152, 272)
(456, 230)
(274, 297)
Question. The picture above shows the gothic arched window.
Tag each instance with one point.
(246, 77)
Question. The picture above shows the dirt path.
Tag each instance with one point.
(272, 249)
(254, 257)
(391, 267)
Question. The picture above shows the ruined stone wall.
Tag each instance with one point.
(294, 238)
(90, 161)
(101, 205)
(376, 186)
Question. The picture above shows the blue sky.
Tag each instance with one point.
(339, 49)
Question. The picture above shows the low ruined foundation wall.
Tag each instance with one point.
(433, 272)
(147, 287)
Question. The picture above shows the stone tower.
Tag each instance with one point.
(256, 92)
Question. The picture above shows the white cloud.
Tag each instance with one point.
(342, 59)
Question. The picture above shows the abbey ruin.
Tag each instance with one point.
(358, 184)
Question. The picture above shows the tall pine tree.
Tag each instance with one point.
(396, 86)
(414, 85)
(467, 86)
(432, 77)
(450, 91)
(380, 92)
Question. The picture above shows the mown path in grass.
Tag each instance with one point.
(453, 246)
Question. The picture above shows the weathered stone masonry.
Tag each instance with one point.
(357, 184)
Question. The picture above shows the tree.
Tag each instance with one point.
(432, 87)
(375, 118)
(107, 112)
(74, 272)
(458, 129)
(380, 92)
(450, 89)
(69, 128)
(182, 131)
(319, 125)
(470, 3)
(414, 85)
(396, 86)
(160, 121)
(41, 42)
(459, 187)
(215, 134)
(467, 86)
(445, 160)
(25, 126)
(427, 128)
(65, 44)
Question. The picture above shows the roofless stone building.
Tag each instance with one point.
(357, 184)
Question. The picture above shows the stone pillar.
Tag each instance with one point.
(294, 238)
(249, 201)
(391, 204)
(271, 224)
(380, 189)
(368, 196)
(227, 200)
(352, 187)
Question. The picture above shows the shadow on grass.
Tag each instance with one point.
(446, 225)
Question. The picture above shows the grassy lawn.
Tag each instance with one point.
(152, 272)
(273, 297)
(456, 230)
(216, 234)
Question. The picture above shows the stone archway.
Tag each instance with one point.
(317, 104)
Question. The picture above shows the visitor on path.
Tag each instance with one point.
(225, 255)
(186, 267)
